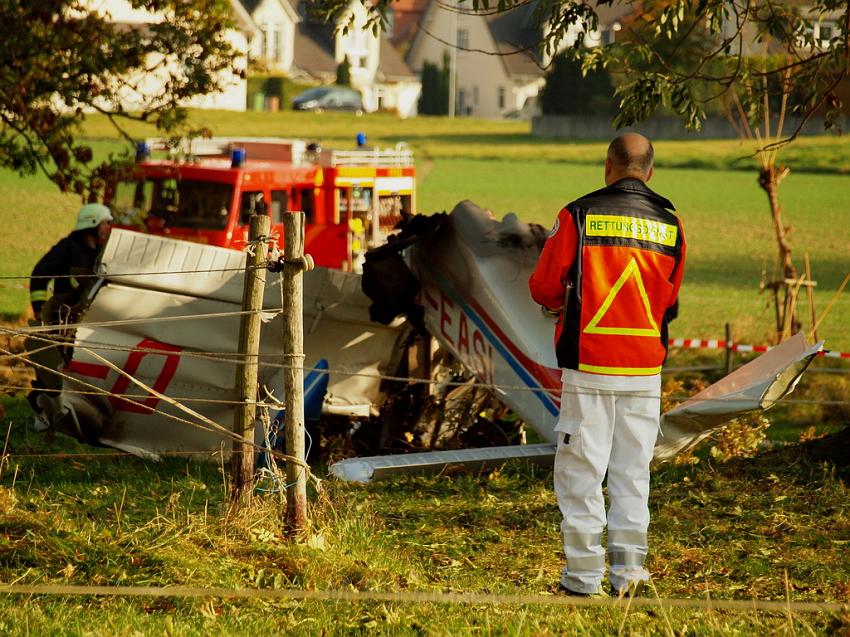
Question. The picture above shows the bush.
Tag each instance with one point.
(568, 93)
(278, 86)
(343, 73)
(434, 99)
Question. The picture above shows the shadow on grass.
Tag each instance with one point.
(744, 271)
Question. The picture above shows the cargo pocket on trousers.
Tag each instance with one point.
(568, 426)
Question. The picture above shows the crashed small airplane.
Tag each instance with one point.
(445, 301)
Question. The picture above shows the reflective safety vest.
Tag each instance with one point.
(612, 268)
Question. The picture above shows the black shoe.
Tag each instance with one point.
(573, 593)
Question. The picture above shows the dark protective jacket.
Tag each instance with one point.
(612, 267)
(71, 256)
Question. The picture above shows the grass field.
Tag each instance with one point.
(442, 138)
(124, 521)
(500, 166)
(727, 224)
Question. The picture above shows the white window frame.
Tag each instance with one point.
(272, 41)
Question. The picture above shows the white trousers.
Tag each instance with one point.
(604, 430)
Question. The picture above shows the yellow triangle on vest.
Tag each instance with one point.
(592, 327)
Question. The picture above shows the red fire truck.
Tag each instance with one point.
(352, 199)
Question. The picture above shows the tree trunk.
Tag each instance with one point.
(787, 321)
(769, 181)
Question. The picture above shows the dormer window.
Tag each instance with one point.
(825, 31)
(822, 32)
(272, 41)
(355, 45)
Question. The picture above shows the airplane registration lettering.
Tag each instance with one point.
(122, 383)
(463, 334)
(480, 356)
(166, 373)
(483, 356)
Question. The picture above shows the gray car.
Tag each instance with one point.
(328, 98)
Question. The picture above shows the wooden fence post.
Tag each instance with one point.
(242, 459)
(293, 372)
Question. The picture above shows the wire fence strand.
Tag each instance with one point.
(498, 388)
(113, 275)
(205, 423)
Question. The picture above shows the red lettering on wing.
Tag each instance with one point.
(478, 346)
(463, 336)
(169, 368)
(93, 370)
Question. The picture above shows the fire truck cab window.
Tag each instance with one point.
(252, 204)
(186, 203)
(280, 204)
(131, 201)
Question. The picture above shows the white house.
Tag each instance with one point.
(496, 71)
(822, 25)
(233, 95)
(303, 48)
(276, 20)
(500, 66)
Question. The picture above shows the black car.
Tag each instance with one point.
(328, 98)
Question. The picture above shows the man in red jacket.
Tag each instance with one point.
(611, 271)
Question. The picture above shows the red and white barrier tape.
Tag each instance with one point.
(702, 343)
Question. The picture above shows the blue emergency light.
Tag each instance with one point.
(237, 157)
(143, 151)
(361, 140)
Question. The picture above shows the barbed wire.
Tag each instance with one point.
(131, 397)
(36, 329)
(112, 275)
(279, 405)
(496, 388)
(205, 425)
(239, 358)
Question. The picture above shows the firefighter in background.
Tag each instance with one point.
(74, 256)
(610, 270)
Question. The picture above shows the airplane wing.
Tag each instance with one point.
(758, 385)
(169, 317)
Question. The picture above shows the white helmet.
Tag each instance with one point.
(91, 215)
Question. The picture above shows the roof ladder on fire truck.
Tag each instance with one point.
(399, 156)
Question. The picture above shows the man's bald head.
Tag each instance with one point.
(629, 155)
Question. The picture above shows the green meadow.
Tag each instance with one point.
(773, 527)
(500, 166)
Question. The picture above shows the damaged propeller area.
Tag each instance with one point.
(436, 346)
